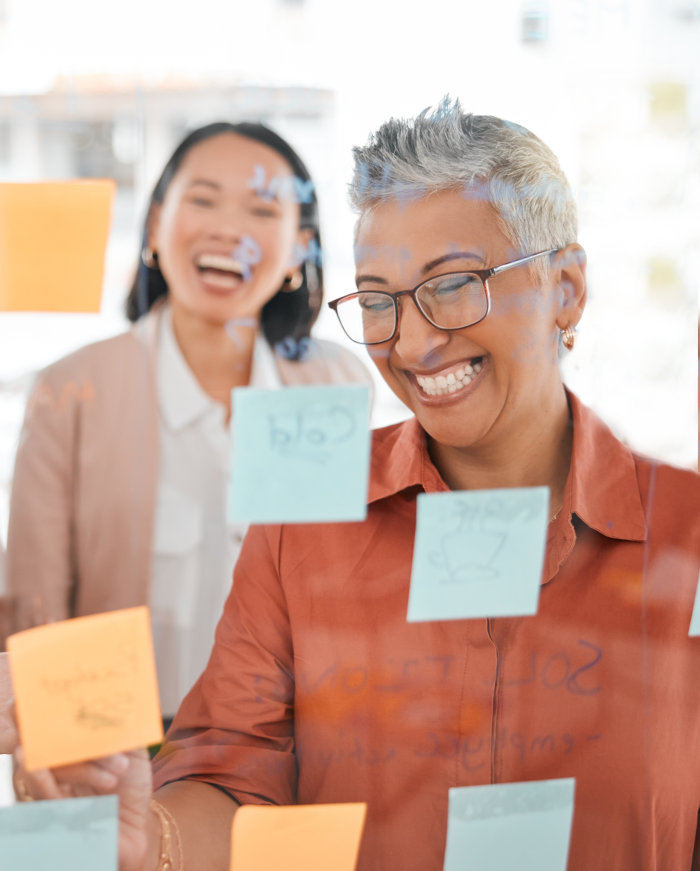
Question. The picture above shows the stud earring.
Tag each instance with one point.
(149, 258)
(568, 337)
(294, 282)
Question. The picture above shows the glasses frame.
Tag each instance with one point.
(482, 274)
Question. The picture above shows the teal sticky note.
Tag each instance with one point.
(73, 834)
(695, 619)
(478, 553)
(502, 826)
(300, 454)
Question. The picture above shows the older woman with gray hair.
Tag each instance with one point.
(469, 281)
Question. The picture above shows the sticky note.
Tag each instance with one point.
(297, 838)
(53, 237)
(73, 834)
(85, 688)
(300, 454)
(695, 619)
(503, 826)
(478, 553)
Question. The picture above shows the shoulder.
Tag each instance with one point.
(123, 350)
(87, 376)
(325, 363)
(93, 354)
(657, 479)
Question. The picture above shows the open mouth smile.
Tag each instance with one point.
(450, 380)
(221, 271)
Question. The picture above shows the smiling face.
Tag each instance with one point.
(478, 386)
(224, 246)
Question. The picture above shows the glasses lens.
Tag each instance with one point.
(453, 301)
(367, 317)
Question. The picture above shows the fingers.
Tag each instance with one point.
(81, 779)
(99, 775)
(30, 785)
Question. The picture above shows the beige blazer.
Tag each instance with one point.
(83, 496)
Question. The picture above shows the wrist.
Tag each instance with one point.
(164, 845)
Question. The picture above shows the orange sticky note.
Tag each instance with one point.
(53, 237)
(85, 687)
(314, 837)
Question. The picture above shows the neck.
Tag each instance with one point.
(539, 455)
(220, 357)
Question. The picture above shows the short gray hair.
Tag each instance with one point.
(487, 157)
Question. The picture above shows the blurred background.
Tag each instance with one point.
(95, 89)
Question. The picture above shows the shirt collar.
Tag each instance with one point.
(180, 397)
(400, 460)
(264, 372)
(601, 489)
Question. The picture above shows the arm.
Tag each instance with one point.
(204, 814)
(234, 729)
(39, 564)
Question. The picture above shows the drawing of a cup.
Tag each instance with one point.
(467, 554)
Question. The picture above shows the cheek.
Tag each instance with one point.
(172, 233)
(526, 326)
(277, 245)
(533, 345)
(380, 357)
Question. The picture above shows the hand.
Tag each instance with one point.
(8, 732)
(128, 775)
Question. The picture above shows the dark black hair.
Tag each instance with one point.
(287, 315)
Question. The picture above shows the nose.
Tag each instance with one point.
(416, 338)
(226, 223)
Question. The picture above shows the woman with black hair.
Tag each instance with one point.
(121, 474)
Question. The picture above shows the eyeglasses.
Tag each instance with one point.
(449, 302)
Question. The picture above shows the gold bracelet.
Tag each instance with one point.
(168, 826)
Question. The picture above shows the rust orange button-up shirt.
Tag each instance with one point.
(318, 690)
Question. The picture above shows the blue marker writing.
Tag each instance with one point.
(247, 253)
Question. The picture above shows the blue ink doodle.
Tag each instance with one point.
(310, 253)
(281, 187)
(296, 349)
(233, 326)
(247, 253)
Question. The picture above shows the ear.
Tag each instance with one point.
(152, 225)
(568, 275)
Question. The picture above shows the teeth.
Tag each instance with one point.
(452, 382)
(226, 281)
(218, 261)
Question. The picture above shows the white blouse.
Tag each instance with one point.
(194, 547)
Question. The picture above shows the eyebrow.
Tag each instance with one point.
(206, 182)
(453, 255)
(432, 264)
(376, 278)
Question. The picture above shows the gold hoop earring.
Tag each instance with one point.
(568, 337)
(149, 258)
(294, 282)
